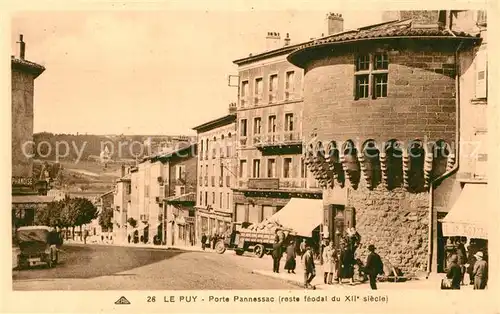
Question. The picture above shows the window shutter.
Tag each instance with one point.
(481, 73)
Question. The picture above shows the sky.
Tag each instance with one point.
(149, 72)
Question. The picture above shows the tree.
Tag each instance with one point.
(50, 215)
(106, 218)
(86, 211)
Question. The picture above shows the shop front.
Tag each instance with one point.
(465, 224)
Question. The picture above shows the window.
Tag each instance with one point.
(256, 168)
(243, 127)
(289, 84)
(201, 198)
(371, 76)
(381, 62)
(289, 122)
(228, 201)
(129, 189)
(206, 198)
(206, 170)
(303, 168)
(271, 124)
(182, 190)
(221, 200)
(180, 172)
(380, 85)
(244, 93)
(287, 162)
(257, 125)
(481, 65)
(258, 91)
(273, 87)
(271, 168)
(243, 169)
(213, 198)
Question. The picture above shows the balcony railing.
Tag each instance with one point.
(257, 100)
(263, 183)
(274, 183)
(279, 139)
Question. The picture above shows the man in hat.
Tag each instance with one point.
(309, 267)
(480, 272)
(374, 266)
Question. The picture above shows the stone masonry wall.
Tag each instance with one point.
(420, 101)
(396, 222)
(22, 122)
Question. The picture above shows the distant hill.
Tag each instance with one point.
(119, 146)
(89, 174)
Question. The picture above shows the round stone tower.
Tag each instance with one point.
(379, 124)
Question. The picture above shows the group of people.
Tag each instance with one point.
(337, 264)
(209, 241)
(465, 257)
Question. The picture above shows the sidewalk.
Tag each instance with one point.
(432, 283)
(141, 245)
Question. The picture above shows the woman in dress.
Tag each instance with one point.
(329, 263)
(290, 257)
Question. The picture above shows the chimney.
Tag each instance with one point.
(335, 23)
(390, 16)
(425, 19)
(272, 40)
(232, 108)
(22, 47)
(287, 39)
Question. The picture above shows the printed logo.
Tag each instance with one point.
(122, 300)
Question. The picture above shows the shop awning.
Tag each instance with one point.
(300, 214)
(468, 217)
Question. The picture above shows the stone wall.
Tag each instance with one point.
(420, 101)
(396, 222)
(22, 122)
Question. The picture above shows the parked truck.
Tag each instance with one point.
(252, 239)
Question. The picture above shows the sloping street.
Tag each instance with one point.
(102, 267)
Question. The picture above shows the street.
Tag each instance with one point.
(103, 267)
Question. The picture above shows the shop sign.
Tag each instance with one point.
(22, 181)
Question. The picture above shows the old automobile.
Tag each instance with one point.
(38, 245)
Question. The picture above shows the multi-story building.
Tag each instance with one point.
(381, 130)
(121, 206)
(216, 173)
(25, 200)
(271, 168)
(162, 198)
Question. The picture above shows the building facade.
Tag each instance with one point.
(380, 129)
(121, 206)
(270, 165)
(26, 191)
(155, 183)
(216, 174)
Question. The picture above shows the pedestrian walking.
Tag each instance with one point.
(277, 253)
(309, 267)
(347, 263)
(302, 247)
(461, 258)
(203, 241)
(480, 272)
(329, 263)
(454, 274)
(290, 262)
(374, 266)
